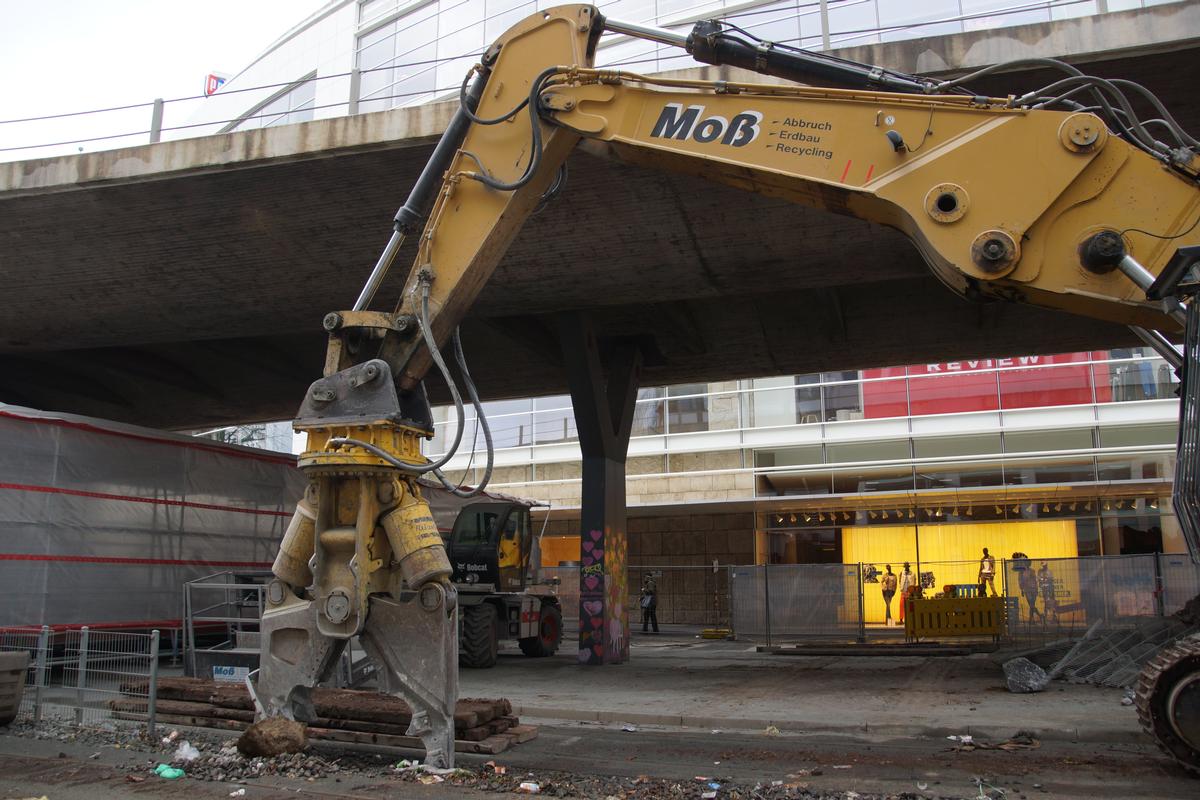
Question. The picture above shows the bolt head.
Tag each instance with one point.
(332, 321)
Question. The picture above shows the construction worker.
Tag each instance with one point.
(649, 603)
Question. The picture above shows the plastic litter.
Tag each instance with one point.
(842, 766)
(170, 737)
(238, 793)
(529, 787)
(429, 780)
(771, 731)
(629, 728)
(708, 795)
(499, 769)
(922, 786)
(714, 785)
(186, 752)
(965, 738)
(167, 772)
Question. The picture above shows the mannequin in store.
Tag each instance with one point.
(908, 586)
(987, 573)
(888, 584)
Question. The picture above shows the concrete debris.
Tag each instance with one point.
(1023, 676)
(273, 737)
(771, 731)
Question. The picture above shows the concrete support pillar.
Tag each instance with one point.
(603, 384)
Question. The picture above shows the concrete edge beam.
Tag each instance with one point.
(1081, 39)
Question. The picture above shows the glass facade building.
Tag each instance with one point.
(1069, 454)
(1077, 446)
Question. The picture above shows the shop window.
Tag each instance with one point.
(877, 479)
(1045, 441)
(788, 456)
(1063, 470)
(650, 413)
(808, 399)
(1136, 466)
(1087, 536)
(687, 414)
(842, 401)
(771, 403)
(807, 547)
(884, 450)
(957, 475)
(1135, 435)
(967, 445)
(554, 420)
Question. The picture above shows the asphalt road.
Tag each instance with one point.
(829, 765)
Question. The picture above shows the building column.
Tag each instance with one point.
(603, 384)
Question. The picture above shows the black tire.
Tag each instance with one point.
(479, 647)
(549, 634)
(1161, 679)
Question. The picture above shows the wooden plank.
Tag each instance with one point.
(522, 733)
(488, 746)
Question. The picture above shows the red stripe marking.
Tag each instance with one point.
(174, 562)
(274, 458)
(846, 171)
(23, 487)
(870, 169)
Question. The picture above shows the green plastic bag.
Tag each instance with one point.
(168, 772)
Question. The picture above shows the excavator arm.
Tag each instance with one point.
(1038, 199)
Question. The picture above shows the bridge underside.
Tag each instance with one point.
(195, 299)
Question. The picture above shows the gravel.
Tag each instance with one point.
(220, 761)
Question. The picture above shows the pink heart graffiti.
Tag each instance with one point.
(596, 535)
(591, 581)
(593, 607)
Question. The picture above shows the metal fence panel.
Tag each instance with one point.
(804, 600)
(1180, 578)
(86, 676)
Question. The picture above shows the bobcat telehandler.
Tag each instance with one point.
(1062, 197)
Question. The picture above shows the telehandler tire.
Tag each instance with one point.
(549, 634)
(479, 647)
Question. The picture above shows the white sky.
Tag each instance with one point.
(73, 55)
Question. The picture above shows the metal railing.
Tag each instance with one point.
(1036, 382)
(85, 676)
(222, 611)
(828, 25)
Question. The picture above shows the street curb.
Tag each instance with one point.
(990, 733)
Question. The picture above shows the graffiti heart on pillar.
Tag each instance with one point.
(591, 599)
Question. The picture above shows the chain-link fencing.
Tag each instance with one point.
(1044, 599)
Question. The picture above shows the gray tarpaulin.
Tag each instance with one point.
(102, 523)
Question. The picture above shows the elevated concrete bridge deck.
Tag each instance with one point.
(182, 284)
